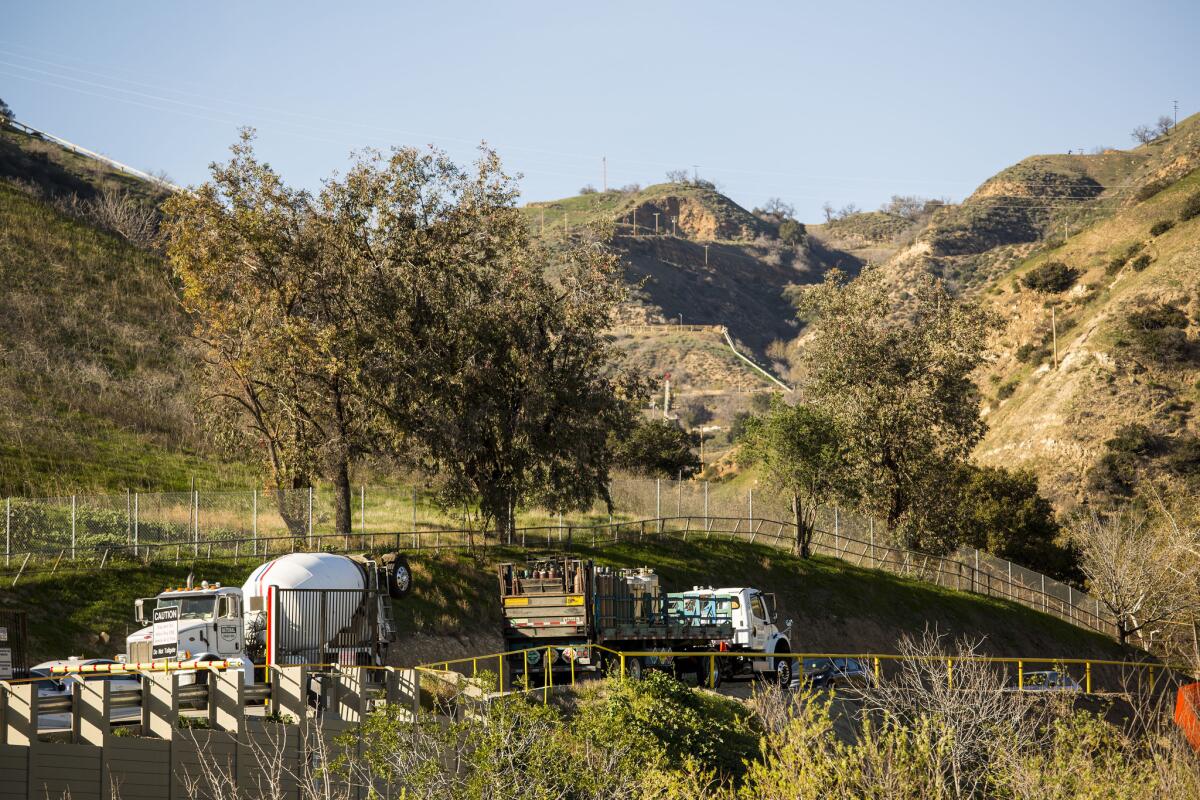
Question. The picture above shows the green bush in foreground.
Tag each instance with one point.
(922, 737)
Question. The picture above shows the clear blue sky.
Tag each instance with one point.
(846, 102)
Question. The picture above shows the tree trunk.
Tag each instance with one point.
(803, 532)
(341, 484)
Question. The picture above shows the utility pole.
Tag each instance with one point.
(604, 161)
(656, 213)
(705, 254)
(673, 221)
(1054, 335)
(1176, 124)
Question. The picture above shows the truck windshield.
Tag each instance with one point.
(192, 607)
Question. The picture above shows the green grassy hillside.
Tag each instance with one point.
(94, 362)
(453, 610)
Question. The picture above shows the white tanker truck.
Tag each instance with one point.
(300, 608)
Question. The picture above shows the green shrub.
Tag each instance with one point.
(1161, 227)
(1030, 353)
(1158, 316)
(1151, 189)
(791, 231)
(1141, 262)
(1191, 208)
(1114, 266)
(1050, 278)
(1006, 389)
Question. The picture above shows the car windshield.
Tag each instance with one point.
(202, 608)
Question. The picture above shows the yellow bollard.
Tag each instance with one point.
(474, 667)
(500, 660)
(1021, 675)
(1087, 677)
(573, 668)
(549, 683)
(876, 669)
(950, 673)
(712, 671)
(1152, 680)
(622, 666)
(525, 677)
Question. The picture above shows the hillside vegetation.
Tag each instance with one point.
(94, 363)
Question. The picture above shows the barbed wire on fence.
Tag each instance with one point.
(93, 531)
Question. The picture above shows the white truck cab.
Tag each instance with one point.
(755, 628)
(207, 625)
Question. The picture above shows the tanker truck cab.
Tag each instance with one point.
(207, 618)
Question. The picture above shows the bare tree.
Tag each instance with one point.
(1143, 134)
(1142, 569)
(6, 112)
(827, 209)
(1163, 126)
(957, 700)
(677, 176)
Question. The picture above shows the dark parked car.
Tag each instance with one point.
(831, 673)
(1044, 681)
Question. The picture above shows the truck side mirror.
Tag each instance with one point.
(139, 611)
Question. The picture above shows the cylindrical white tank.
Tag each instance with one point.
(306, 571)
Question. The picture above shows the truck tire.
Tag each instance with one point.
(633, 668)
(784, 673)
(399, 578)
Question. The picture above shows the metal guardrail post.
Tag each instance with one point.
(7, 531)
(136, 521)
(310, 515)
(1087, 677)
(72, 527)
(1020, 674)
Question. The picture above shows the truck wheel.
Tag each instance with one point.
(633, 668)
(784, 672)
(399, 578)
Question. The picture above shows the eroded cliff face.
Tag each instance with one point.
(693, 218)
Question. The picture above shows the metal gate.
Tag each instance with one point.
(14, 645)
(324, 626)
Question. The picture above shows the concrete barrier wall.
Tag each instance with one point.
(239, 754)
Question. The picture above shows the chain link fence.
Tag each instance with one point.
(92, 531)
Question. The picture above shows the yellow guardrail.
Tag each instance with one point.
(875, 660)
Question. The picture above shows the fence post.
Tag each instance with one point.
(254, 519)
(706, 505)
(679, 498)
(72, 527)
(7, 530)
(658, 502)
(837, 529)
(128, 517)
(362, 510)
(1044, 608)
(135, 524)
(752, 511)
(310, 514)
(196, 523)
(975, 574)
(872, 526)
(414, 505)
